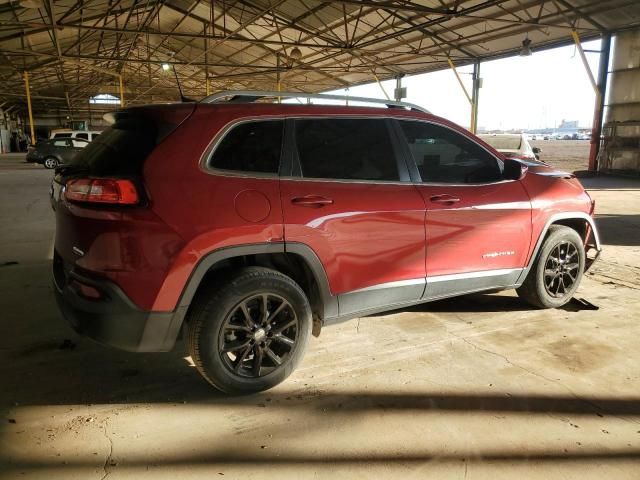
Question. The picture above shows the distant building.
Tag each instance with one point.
(568, 124)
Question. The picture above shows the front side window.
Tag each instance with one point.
(250, 147)
(346, 149)
(446, 156)
(84, 136)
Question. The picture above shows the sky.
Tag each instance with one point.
(517, 93)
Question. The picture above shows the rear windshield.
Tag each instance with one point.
(510, 142)
(120, 150)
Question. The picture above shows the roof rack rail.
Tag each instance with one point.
(249, 96)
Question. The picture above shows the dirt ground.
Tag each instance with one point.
(478, 387)
(568, 155)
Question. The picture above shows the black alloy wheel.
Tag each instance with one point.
(258, 335)
(247, 330)
(561, 269)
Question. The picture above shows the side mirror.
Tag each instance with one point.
(536, 150)
(514, 170)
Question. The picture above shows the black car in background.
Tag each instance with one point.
(54, 152)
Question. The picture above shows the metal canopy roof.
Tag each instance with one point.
(73, 48)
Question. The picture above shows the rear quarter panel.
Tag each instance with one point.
(201, 205)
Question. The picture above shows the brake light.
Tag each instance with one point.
(102, 190)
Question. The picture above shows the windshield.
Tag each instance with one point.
(503, 142)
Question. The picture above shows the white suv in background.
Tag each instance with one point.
(84, 136)
(513, 146)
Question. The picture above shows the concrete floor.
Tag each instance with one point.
(475, 387)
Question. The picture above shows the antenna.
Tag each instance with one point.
(182, 97)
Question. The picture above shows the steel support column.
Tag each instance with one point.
(475, 96)
(28, 90)
(464, 90)
(121, 90)
(598, 114)
(398, 93)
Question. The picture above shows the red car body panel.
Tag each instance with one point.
(384, 222)
(370, 234)
(488, 228)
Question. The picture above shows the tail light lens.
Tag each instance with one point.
(115, 191)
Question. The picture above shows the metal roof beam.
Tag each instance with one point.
(398, 6)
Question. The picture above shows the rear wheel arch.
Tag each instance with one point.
(298, 261)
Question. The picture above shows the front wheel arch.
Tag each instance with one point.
(539, 288)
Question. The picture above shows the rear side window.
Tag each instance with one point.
(120, 150)
(62, 143)
(252, 147)
(348, 149)
(446, 156)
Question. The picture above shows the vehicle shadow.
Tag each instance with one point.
(619, 230)
(598, 182)
(43, 362)
(483, 303)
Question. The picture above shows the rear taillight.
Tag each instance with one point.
(116, 191)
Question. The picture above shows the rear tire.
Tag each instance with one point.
(249, 333)
(557, 271)
(50, 163)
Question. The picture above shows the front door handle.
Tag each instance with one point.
(312, 201)
(445, 198)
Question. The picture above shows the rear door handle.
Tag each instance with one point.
(445, 198)
(312, 201)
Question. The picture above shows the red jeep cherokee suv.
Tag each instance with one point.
(249, 225)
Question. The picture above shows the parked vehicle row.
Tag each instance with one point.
(248, 226)
(559, 136)
(54, 152)
(60, 148)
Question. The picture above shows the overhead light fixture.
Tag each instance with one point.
(166, 67)
(295, 53)
(30, 4)
(525, 51)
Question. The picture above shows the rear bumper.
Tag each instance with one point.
(112, 319)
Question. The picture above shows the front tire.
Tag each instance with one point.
(249, 333)
(50, 163)
(557, 271)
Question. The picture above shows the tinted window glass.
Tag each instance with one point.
(446, 156)
(358, 149)
(61, 135)
(84, 136)
(120, 150)
(250, 147)
(61, 143)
